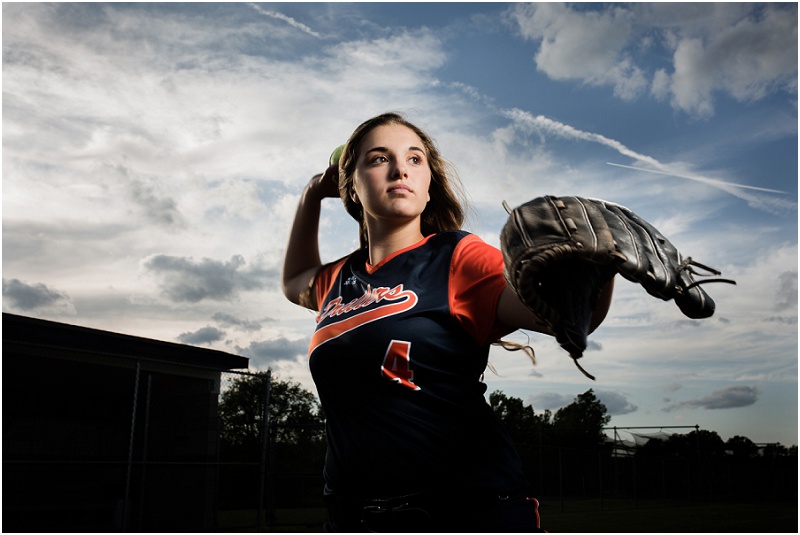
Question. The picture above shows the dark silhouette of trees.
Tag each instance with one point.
(568, 453)
(778, 450)
(741, 447)
(697, 444)
(294, 413)
(578, 425)
(521, 422)
(295, 441)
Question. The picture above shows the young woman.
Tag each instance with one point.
(403, 333)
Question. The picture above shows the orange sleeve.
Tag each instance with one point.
(324, 278)
(476, 282)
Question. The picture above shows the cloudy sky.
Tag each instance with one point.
(153, 155)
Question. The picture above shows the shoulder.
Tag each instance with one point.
(463, 244)
(474, 254)
(326, 276)
(471, 256)
(448, 238)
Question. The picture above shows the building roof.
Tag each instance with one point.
(32, 335)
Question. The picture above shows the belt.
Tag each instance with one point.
(430, 511)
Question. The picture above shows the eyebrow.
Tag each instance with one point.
(384, 149)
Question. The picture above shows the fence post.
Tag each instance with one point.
(560, 479)
(145, 438)
(541, 463)
(126, 501)
(635, 484)
(265, 440)
(600, 478)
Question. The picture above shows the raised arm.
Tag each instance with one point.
(302, 258)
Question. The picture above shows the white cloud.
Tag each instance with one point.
(746, 52)
(204, 335)
(731, 397)
(187, 280)
(229, 320)
(746, 60)
(767, 289)
(615, 402)
(583, 45)
(36, 298)
(281, 349)
(549, 401)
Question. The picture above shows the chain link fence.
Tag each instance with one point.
(154, 446)
(270, 472)
(141, 446)
(562, 474)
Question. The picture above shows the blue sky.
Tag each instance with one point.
(153, 156)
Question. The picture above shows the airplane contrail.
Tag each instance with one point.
(705, 180)
(289, 20)
(542, 123)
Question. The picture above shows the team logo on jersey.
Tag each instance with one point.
(359, 311)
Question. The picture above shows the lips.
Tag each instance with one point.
(399, 188)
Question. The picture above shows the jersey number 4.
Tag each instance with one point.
(397, 364)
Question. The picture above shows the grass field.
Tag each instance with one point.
(658, 517)
(586, 516)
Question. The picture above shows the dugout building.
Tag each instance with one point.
(108, 432)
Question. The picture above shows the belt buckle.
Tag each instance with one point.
(403, 518)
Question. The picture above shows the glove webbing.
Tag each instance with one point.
(686, 265)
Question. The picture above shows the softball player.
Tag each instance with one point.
(403, 333)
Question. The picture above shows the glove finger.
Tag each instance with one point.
(660, 267)
(693, 301)
(634, 253)
(656, 259)
(663, 263)
(635, 264)
(590, 229)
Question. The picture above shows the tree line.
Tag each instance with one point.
(295, 417)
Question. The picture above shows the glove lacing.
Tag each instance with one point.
(584, 372)
(688, 265)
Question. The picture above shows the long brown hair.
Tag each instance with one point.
(445, 211)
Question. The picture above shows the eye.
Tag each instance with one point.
(415, 159)
(378, 159)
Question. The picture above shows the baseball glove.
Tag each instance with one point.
(560, 252)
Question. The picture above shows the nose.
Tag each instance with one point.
(400, 169)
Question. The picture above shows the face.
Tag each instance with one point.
(392, 175)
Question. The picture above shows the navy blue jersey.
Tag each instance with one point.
(399, 379)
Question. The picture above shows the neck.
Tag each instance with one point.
(385, 242)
